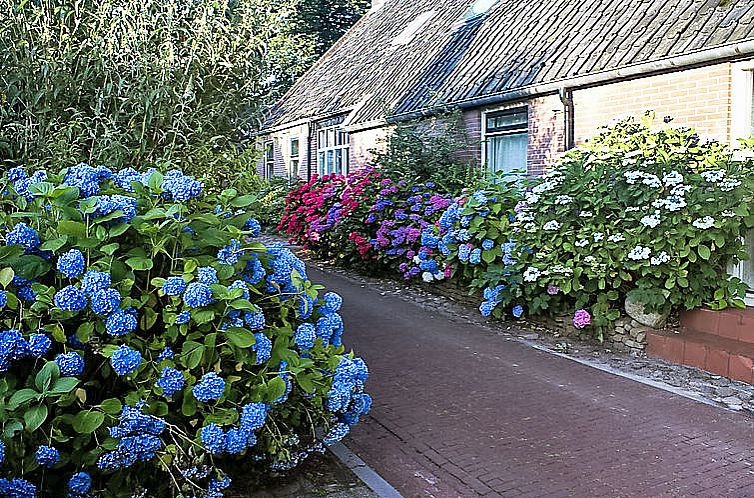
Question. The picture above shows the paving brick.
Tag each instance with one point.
(467, 423)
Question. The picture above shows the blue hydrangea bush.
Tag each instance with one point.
(148, 341)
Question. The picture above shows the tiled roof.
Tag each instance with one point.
(517, 44)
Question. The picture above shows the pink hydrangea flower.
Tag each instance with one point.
(581, 319)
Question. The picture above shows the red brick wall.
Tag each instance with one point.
(546, 132)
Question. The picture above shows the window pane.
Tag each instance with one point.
(294, 147)
(507, 120)
(321, 139)
(507, 153)
(321, 165)
(339, 161)
(330, 162)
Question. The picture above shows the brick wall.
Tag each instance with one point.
(699, 98)
(364, 143)
(472, 122)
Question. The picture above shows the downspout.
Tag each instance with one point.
(309, 127)
(566, 97)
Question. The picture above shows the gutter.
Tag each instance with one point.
(723, 53)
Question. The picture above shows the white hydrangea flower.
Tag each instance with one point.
(672, 178)
(680, 190)
(638, 253)
(633, 176)
(563, 199)
(439, 275)
(728, 185)
(531, 198)
(727, 214)
(662, 257)
(631, 209)
(590, 259)
(581, 243)
(618, 237)
(427, 276)
(704, 223)
(586, 214)
(551, 225)
(713, 176)
(651, 181)
(531, 274)
(597, 236)
(651, 221)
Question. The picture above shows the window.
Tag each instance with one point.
(295, 158)
(269, 159)
(506, 140)
(332, 147)
(409, 32)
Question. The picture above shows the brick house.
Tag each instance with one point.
(531, 79)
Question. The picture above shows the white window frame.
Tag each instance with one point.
(742, 125)
(269, 159)
(336, 141)
(484, 132)
(295, 158)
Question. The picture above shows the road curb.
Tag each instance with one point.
(367, 474)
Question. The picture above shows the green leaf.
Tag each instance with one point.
(111, 406)
(243, 201)
(139, 263)
(12, 427)
(73, 228)
(64, 385)
(275, 388)
(46, 374)
(88, 422)
(704, 252)
(192, 354)
(54, 244)
(109, 249)
(22, 396)
(6, 276)
(240, 337)
(35, 417)
(30, 266)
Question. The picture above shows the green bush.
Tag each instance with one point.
(158, 82)
(150, 340)
(430, 152)
(652, 212)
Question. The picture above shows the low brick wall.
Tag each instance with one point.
(452, 289)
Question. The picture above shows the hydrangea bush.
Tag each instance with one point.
(655, 213)
(148, 340)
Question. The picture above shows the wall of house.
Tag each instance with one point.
(699, 98)
(364, 143)
(282, 150)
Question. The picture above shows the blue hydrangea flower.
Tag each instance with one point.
(254, 320)
(263, 347)
(108, 204)
(70, 298)
(2, 451)
(213, 438)
(125, 177)
(47, 456)
(174, 286)
(39, 344)
(488, 244)
(333, 301)
(95, 280)
(207, 275)
(475, 257)
(210, 387)
(166, 354)
(180, 187)
(3, 299)
(71, 263)
(70, 363)
(336, 433)
(236, 441)
(253, 226)
(171, 381)
(121, 322)
(240, 284)
(17, 488)
(23, 235)
(305, 335)
(105, 301)
(197, 295)
(517, 311)
(85, 178)
(229, 254)
(125, 360)
(183, 318)
(79, 483)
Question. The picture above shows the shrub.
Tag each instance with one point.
(430, 152)
(150, 341)
(656, 213)
(146, 82)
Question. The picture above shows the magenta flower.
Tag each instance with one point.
(581, 319)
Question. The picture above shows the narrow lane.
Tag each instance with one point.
(462, 412)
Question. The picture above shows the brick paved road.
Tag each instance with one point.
(461, 412)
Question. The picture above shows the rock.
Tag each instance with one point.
(724, 392)
(532, 336)
(635, 310)
(641, 337)
(732, 401)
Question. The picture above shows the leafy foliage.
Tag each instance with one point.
(328, 20)
(150, 339)
(150, 82)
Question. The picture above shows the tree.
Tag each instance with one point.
(327, 20)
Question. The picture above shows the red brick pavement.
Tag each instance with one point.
(462, 412)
